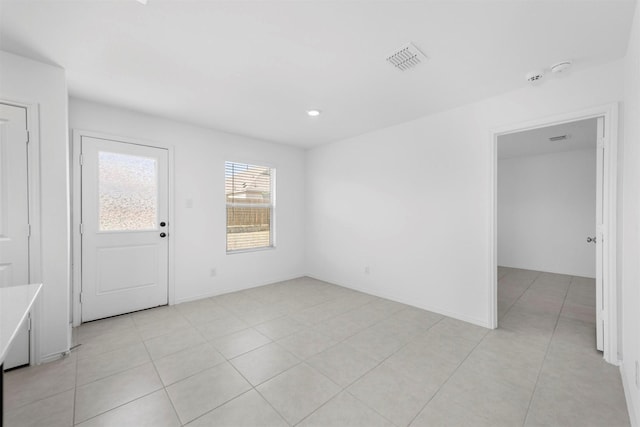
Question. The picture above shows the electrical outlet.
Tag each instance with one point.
(367, 270)
(213, 272)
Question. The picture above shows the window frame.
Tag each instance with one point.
(271, 205)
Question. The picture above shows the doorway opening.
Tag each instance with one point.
(554, 223)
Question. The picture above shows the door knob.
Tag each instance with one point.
(163, 234)
(591, 239)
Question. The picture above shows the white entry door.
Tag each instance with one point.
(124, 228)
(14, 215)
(600, 199)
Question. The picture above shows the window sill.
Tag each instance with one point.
(244, 251)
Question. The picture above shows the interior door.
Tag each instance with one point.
(600, 189)
(124, 228)
(14, 215)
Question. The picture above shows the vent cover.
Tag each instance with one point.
(407, 57)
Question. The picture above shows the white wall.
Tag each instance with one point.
(26, 81)
(412, 201)
(546, 210)
(199, 232)
(630, 230)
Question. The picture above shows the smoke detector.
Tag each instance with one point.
(406, 57)
(560, 67)
(534, 77)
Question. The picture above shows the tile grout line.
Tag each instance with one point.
(469, 354)
(119, 406)
(54, 394)
(164, 386)
(311, 327)
(75, 394)
(520, 296)
(448, 378)
(343, 341)
(546, 353)
(379, 364)
(17, 369)
(133, 400)
(255, 387)
(228, 360)
(344, 389)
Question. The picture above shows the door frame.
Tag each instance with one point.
(35, 239)
(609, 282)
(76, 213)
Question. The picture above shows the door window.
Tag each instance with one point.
(128, 192)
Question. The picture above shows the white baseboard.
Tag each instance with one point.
(51, 357)
(480, 322)
(631, 403)
(548, 270)
(235, 289)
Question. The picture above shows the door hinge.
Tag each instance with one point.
(27, 138)
(28, 230)
(81, 159)
(80, 296)
(81, 228)
(29, 323)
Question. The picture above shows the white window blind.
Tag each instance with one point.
(250, 206)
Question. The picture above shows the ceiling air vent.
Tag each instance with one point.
(407, 57)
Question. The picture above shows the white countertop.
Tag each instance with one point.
(15, 304)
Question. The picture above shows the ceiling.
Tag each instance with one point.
(581, 135)
(255, 67)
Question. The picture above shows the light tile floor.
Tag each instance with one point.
(308, 353)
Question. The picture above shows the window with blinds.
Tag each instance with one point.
(249, 194)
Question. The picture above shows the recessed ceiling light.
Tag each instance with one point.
(313, 113)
